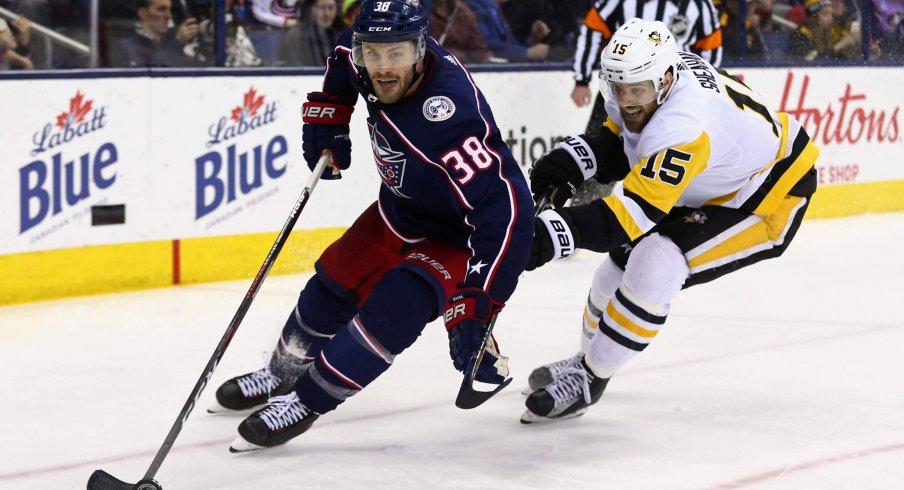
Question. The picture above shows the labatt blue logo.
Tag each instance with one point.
(48, 186)
(222, 175)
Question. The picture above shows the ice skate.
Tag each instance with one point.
(545, 375)
(249, 391)
(573, 390)
(284, 418)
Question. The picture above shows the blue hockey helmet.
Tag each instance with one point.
(389, 21)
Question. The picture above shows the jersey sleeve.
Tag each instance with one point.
(337, 80)
(498, 210)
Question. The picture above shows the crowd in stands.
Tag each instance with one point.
(180, 33)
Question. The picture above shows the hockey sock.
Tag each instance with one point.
(316, 318)
(605, 281)
(633, 316)
(391, 318)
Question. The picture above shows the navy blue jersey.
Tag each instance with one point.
(447, 174)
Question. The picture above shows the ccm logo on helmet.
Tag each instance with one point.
(379, 29)
(318, 111)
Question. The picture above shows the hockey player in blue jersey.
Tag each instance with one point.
(449, 235)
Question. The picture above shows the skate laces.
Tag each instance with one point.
(564, 366)
(574, 381)
(283, 411)
(259, 382)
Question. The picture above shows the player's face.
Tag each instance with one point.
(637, 101)
(391, 68)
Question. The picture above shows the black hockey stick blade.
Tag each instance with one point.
(468, 397)
(101, 480)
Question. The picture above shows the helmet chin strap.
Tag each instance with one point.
(417, 75)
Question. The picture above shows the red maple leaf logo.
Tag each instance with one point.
(78, 109)
(251, 104)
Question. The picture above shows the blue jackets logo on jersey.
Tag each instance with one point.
(390, 163)
(438, 108)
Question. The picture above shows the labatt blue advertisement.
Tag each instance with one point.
(243, 162)
(71, 162)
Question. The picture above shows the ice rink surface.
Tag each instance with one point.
(785, 375)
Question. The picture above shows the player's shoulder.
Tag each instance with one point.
(448, 96)
(679, 120)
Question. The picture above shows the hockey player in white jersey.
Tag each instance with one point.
(710, 181)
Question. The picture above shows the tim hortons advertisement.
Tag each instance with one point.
(848, 112)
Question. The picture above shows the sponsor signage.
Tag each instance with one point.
(193, 157)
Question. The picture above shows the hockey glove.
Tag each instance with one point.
(326, 119)
(553, 238)
(466, 318)
(564, 169)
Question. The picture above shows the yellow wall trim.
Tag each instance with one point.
(846, 200)
(125, 267)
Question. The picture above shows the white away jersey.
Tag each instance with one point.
(710, 143)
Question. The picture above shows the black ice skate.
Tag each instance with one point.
(545, 375)
(575, 389)
(249, 391)
(284, 418)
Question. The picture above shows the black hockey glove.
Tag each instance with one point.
(466, 318)
(326, 119)
(553, 238)
(564, 168)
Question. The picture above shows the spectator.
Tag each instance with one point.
(60, 15)
(311, 41)
(14, 48)
(846, 34)
(813, 40)
(152, 43)
(499, 36)
(350, 9)
(454, 27)
(758, 20)
(239, 49)
(562, 20)
(276, 13)
(888, 28)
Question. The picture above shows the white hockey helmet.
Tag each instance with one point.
(639, 50)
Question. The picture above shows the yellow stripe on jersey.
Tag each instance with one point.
(627, 324)
(612, 126)
(656, 183)
(762, 233)
(660, 179)
(798, 168)
(624, 216)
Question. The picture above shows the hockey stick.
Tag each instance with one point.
(468, 397)
(100, 479)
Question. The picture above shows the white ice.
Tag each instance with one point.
(785, 375)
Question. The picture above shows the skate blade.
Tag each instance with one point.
(529, 417)
(240, 445)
